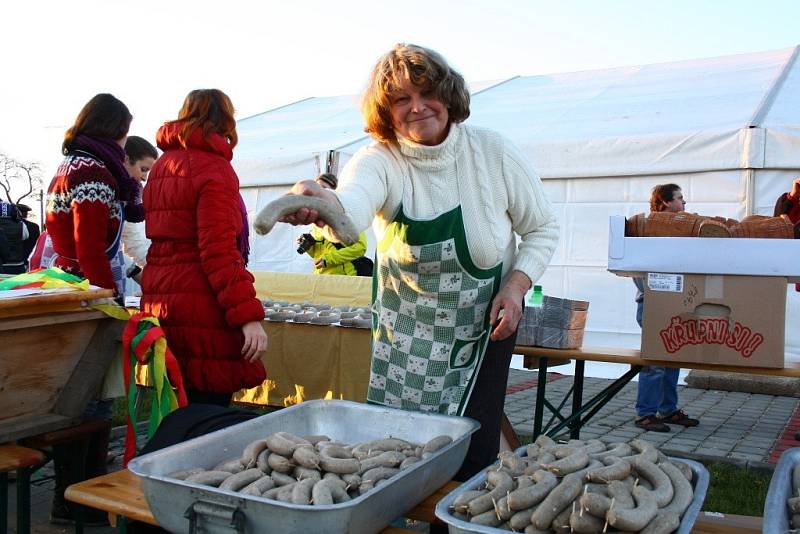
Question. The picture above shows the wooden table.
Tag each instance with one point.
(120, 494)
(55, 352)
(582, 412)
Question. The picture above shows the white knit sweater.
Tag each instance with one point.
(499, 192)
(135, 243)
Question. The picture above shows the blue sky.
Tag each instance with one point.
(56, 54)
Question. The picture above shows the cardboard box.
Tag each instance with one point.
(716, 319)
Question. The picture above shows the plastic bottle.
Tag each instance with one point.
(536, 297)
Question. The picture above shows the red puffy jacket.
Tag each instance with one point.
(195, 280)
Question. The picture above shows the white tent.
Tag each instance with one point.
(726, 129)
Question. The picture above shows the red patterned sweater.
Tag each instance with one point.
(83, 217)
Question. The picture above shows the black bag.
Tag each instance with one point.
(363, 266)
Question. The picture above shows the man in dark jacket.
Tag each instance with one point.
(4, 251)
(15, 233)
(33, 232)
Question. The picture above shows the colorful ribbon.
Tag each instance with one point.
(143, 341)
(45, 279)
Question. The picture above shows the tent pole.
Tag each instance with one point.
(749, 185)
(332, 162)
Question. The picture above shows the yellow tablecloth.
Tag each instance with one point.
(320, 289)
(306, 361)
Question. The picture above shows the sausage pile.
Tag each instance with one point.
(312, 469)
(582, 487)
(324, 314)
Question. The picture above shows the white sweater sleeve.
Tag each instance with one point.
(531, 214)
(364, 186)
(135, 243)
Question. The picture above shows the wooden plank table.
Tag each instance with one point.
(582, 412)
(55, 353)
(120, 494)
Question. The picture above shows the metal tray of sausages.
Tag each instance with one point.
(457, 526)
(179, 506)
(776, 512)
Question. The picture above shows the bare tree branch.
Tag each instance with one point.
(13, 172)
(7, 165)
(31, 174)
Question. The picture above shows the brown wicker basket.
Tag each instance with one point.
(684, 224)
(764, 227)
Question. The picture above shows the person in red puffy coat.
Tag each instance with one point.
(195, 281)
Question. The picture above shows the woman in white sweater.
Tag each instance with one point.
(140, 156)
(446, 202)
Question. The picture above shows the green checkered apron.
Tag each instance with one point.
(430, 315)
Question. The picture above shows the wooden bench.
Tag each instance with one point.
(582, 412)
(22, 460)
(66, 435)
(120, 494)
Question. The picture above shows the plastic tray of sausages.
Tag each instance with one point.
(462, 524)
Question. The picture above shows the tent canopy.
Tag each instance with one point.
(728, 112)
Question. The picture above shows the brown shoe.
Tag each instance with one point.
(679, 418)
(651, 422)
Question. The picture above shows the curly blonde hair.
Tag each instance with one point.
(420, 66)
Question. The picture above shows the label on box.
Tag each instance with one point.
(665, 282)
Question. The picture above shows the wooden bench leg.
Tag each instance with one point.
(508, 434)
(24, 500)
(4, 502)
(22, 460)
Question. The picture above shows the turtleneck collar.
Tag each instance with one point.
(432, 157)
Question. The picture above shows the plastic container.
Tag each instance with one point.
(776, 512)
(457, 526)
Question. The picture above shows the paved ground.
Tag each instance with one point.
(741, 428)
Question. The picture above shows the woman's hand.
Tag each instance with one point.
(255, 341)
(507, 306)
(304, 215)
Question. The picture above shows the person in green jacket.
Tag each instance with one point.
(329, 257)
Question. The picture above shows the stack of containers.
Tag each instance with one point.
(555, 323)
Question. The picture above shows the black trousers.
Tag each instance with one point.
(486, 406)
(204, 397)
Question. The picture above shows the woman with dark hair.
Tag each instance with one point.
(86, 199)
(86, 204)
(657, 390)
(195, 281)
(447, 202)
(140, 156)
